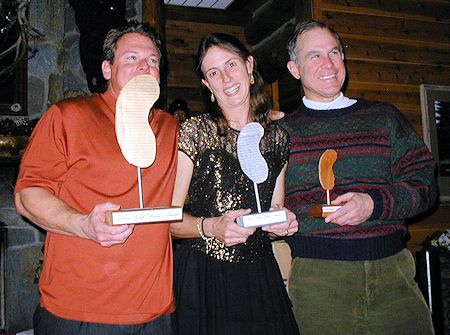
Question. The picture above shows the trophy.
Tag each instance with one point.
(255, 167)
(138, 145)
(326, 178)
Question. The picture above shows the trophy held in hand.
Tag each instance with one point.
(255, 167)
(326, 178)
(138, 145)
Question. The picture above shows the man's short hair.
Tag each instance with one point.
(303, 27)
(143, 28)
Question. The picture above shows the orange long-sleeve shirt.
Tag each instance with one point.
(74, 154)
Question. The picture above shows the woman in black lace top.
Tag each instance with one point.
(227, 280)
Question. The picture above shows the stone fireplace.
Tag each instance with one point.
(54, 71)
(20, 251)
(2, 276)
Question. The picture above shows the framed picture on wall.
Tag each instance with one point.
(435, 105)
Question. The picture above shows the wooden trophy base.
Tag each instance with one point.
(322, 211)
(144, 215)
(262, 219)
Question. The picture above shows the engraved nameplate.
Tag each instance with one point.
(322, 211)
(144, 215)
(262, 219)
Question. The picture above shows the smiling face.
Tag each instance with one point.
(134, 54)
(319, 65)
(227, 76)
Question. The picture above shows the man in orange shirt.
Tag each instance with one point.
(97, 278)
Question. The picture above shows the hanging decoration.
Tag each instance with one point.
(15, 33)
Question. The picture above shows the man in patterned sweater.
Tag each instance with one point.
(351, 272)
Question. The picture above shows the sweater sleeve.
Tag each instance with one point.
(413, 187)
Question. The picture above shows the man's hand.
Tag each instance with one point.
(94, 227)
(356, 209)
(53, 215)
(275, 115)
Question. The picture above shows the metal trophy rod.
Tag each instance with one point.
(141, 194)
(258, 202)
(428, 265)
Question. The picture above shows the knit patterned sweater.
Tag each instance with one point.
(380, 154)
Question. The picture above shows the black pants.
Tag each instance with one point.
(45, 323)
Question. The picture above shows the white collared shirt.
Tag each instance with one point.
(340, 102)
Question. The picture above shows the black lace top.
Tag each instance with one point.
(218, 184)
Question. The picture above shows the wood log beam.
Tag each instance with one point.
(268, 18)
(271, 53)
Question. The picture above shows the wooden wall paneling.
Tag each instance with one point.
(397, 72)
(395, 50)
(185, 27)
(184, 36)
(182, 71)
(191, 95)
(384, 26)
(153, 13)
(429, 10)
(387, 92)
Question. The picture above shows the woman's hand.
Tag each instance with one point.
(225, 229)
(286, 228)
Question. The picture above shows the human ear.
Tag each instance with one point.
(204, 82)
(106, 69)
(293, 69)
(249, 62)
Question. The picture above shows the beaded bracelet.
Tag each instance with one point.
(200, 227)
(212, 243)
(203, 228)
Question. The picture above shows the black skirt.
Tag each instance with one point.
(218, 297)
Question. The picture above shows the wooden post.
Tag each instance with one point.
(153, 13)
(275, 96)
(304, 9)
